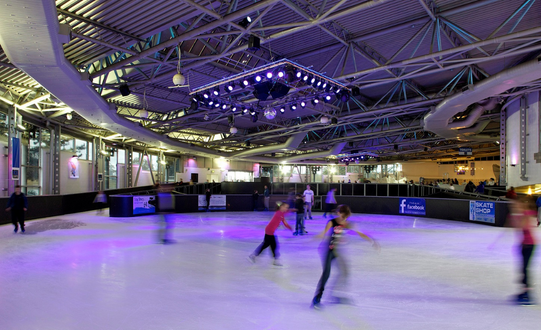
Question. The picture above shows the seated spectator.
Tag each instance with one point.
(511, 194)
(480, 188)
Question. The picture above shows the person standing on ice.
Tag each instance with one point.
(333, 238)
(270, 238)
(17, 204)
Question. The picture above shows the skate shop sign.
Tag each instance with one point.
(217, 202)
(483, 211)
(144, 204)
(416, 206)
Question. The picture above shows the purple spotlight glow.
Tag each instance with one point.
(258, 78)
(245, 83)
(299, 74)
(269, 75)
(281, 74)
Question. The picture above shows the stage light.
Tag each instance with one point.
(216, 91)
(298, 75)
(194, 105)
(269, 75)
(293, 107)
(230, 87)
(233, 108)
(206, 95)
(315, 101)
(211, 102)
(258, 78)
(252, 112)
(244, 83)
(303, 104)
(318, 85)
(281, 74)
(245, 22)
(313, 80)
(324, 85)
(328, 98)
(224, 106)
(217, 104)
(244, 110)
(305, 78)
(282, 109)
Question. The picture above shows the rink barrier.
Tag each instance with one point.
(54, 205)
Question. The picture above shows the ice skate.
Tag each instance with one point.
(251, 258)
(277, 263)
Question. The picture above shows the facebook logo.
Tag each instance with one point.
(415, 206)
(402, 205)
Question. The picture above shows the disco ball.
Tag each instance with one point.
(179, 79)
(324, 120)
(270, 113)
(233, 130)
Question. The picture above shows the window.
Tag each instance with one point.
(121, 156)
(81, 149)
(154, 162)
(90, 151)
(66, 143)
(145, 166)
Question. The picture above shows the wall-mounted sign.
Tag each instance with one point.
(483, 211)
(144, 204)
(415, 206)
(465, 151)
(73, 168)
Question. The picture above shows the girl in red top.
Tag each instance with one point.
(270, 238)
(524, 217)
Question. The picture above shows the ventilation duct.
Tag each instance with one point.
(439, 119)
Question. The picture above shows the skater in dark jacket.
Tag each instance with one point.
(299, 224)
(17, 204)
(333, 238)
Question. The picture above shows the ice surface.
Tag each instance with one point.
(86, 271)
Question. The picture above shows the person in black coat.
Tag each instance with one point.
(17, 204)
(255, 198)
(207, 195)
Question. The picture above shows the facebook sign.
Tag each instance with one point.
(415, 206)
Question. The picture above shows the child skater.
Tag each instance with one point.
(334, 230)
(524, 218)
(270, 238)
(299, 223)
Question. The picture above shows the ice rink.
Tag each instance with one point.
(89, 271)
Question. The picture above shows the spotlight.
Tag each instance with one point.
(305, 78)
(216, 91)
(211, 102)
(217, 104)
(206, 95)
(69, 116)
(255, 117)
(298, 75)
(324, 85)
(230, 87)
(194, 105)
(293, 107)
(224, 106)
(318, 85)
(315, 101)
(313, 80)
(258, 78)
(303, 104)
(252, 112)
(245, 22)
(233, 108)
(244, 110)
(282, 109)
(281, 74)
(269, 75)
(327, 99)
(244, 83)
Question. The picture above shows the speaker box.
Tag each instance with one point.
(124, 90)
(254, 43)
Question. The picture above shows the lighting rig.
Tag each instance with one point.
(356, 157)
(270, 89)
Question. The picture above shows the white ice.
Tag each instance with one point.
(88, 271)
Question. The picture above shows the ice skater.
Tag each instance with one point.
(333, 238)
(17, 204)
(299, 223)
(524, 218)
(330, 202)
(270, 238)
(309, 201)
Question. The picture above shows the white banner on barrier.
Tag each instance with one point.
(217, 202)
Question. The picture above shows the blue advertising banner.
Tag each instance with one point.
(16, 153)
(483, 211)
(415, 206)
